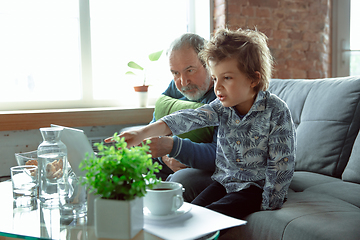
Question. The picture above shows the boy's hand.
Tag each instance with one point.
(132, 138)
(135, 137)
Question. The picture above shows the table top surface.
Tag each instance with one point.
(44, 223)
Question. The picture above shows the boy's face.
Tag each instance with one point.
(190, 76)
(231, 86)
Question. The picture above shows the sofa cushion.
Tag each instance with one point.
(306, 215)
(352, 170)
(330, 225)
(166, 105)
(326, 113)
(346, 191)
(304, 180)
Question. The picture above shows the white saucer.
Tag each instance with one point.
(181, 211)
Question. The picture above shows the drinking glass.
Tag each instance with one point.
(73, 197)
(25, 186)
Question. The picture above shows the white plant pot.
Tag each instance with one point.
(142, 95)
(118, 219)
(91, 208)
(142, 98)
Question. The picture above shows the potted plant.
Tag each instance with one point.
(143, 89)
(119, 176)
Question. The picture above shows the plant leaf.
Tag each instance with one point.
(135, 65)
(130, 73)
(155, 56)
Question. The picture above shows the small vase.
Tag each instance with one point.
(118, 219)
(143, 88)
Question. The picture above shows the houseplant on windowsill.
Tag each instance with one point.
(119, 176)
(143, 89)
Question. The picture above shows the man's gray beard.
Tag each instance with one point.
(193, 97)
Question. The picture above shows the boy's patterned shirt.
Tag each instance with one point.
(258, 149)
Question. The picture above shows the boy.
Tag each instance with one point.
(255, 155)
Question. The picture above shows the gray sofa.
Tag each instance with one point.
(324, 196)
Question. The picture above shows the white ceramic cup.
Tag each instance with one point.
(164, 199)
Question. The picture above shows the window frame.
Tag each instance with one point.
(340, 38)
(35, 119)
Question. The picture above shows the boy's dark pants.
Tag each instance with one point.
(236, 204)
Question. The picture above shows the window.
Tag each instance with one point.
(39, 51)
(346, 38)
(74, 54)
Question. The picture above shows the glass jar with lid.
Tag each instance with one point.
(52, 164)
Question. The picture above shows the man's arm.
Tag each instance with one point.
(192, 154)
(195, 155)
(180, 153)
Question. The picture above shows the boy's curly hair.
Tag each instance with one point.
(248, 47)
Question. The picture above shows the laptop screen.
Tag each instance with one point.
(77, 145)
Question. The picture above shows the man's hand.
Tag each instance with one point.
(173, 164)
(160, 146)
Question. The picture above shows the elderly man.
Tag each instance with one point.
(189, 159)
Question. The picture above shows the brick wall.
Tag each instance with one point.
(298, 32)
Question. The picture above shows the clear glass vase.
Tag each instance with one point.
(53, 166)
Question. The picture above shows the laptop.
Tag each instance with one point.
(77, 145)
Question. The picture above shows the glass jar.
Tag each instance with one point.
(52, 164)
(72, 197)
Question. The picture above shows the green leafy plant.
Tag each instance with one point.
(152, 57)
(118, 172)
